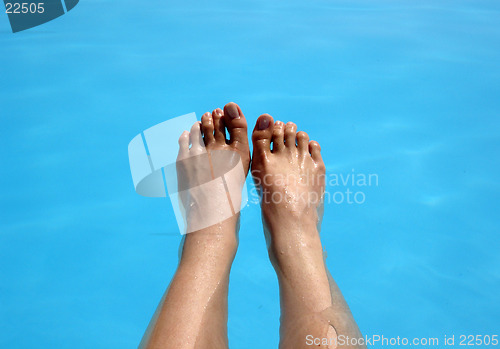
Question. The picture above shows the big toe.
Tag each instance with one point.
(236, 124)
(262, 135)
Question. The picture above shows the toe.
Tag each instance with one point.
(262, 135)
(183, 145)
(196, 139)
(236, 124)
(207, 127)
(290, 130)
(278, 137)
(303, 143)
(315, 150)
(219, 128)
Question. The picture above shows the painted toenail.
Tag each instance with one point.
(233, 112)
(263, 123)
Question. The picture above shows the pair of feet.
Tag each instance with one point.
(289, 173)
(286, 166)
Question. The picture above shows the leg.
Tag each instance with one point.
(193, 312)
(290, 175)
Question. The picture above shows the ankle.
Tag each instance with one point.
(289, 249)
(290, 230)
(218, 242)
(205, 243)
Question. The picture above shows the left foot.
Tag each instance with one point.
(209, 173)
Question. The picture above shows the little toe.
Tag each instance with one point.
(207, 127)
(195, 138)
(303, 143)
(290, 131)
(183, 145)
(278, 137)
(219, 128)
(236, 124)
(261, 136)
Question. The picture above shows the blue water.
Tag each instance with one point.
(409, 91)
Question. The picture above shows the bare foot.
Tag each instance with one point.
(193, 312)
(290, 178)
(212, 172)
(290, 174)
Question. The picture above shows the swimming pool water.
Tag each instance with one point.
(408, 91)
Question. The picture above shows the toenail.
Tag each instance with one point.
(263, 123)
(218, 112)
(233, 112)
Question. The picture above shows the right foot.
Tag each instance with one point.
(290, 174)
